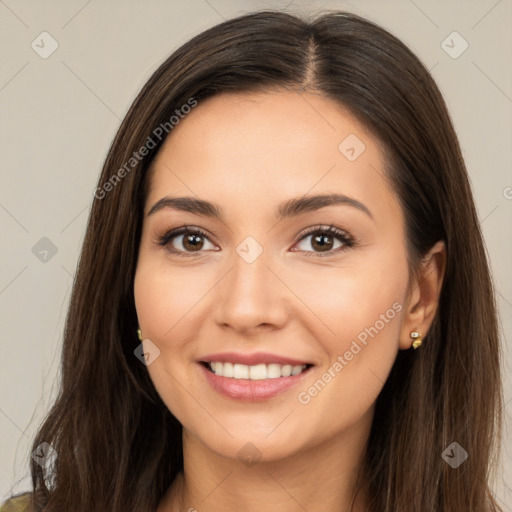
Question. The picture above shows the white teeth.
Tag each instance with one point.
(240, 371)
(256, 372)
(296, 370)
(286, 370)
(273, 371)
(227, 369)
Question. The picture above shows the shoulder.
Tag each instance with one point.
(21, 503)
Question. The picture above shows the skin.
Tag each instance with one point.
(247, 154)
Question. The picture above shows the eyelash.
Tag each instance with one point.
(347, 240)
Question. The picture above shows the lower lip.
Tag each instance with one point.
(251, 390)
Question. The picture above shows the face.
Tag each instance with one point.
(289, 283)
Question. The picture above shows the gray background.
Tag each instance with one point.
(60, 113)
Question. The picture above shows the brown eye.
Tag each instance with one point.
(193, 242)
(324, 241)
(186, 241)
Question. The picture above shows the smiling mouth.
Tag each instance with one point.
(256, 372)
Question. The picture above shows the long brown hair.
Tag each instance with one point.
(119, 448)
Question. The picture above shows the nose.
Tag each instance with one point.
(251, 297)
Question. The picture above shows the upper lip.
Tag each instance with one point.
(251, 359)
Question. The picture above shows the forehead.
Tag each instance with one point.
(265, 147)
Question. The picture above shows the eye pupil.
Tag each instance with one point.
(319, 242)
(193, 242)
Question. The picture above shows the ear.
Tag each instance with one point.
(425, 291)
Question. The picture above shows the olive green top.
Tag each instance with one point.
(18, 504)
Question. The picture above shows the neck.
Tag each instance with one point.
(321, 477)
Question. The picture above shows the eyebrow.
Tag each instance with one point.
(290, 208)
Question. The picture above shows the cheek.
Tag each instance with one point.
(165, 302)
(357, 296)
(361, 310)
(165, 298)
(168, 302)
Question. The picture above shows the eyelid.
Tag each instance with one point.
(347, 240)
(324, 228)
(163, 240)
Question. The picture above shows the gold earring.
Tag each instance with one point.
(139, 334)
(416, 337)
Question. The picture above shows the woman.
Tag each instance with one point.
(283, 299)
